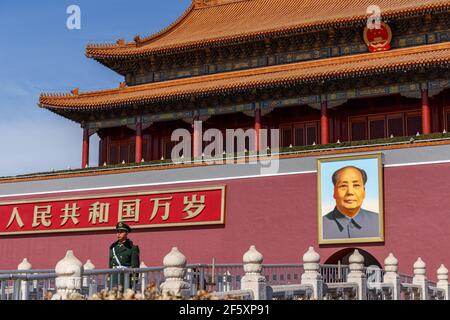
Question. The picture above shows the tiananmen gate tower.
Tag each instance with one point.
(344, 91)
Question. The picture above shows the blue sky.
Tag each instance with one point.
(39, 54)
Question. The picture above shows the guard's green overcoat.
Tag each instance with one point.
(128, 256)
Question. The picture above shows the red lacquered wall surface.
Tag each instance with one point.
(278, 215)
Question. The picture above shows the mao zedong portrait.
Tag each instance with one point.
(349, 219)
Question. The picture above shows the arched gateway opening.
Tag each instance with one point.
(336, 268)
(343, 255)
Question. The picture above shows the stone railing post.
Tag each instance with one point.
(357, 275)
(253, 279)
(68, 276)
(312, 276)
(174, 272)
(442, 276)
(420, 278)
(87, 266)
(89, 281)
(142, 276)
(24, 285)
(391, 276)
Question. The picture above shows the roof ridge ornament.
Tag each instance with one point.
(201, 3)
(211, 3)
(137, 40)
(75, 91)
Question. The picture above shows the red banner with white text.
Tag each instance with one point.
(153, 209)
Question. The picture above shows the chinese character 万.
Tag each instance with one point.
(157, 205)
(129, 210)
(197, 204)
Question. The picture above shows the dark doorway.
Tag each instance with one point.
(342, 256)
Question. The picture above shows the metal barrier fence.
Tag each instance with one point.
(36, 284)
(105, 279)
(26, 286)
(219, 278)
(279, 274)
(227, 277)
(334, 273)
(405, 278)
(34, 271)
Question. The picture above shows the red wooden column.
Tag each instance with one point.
(103, 151)
(107, 148)
(138, 157)
(85, 155)
(426, 113)
(150, 147)
(156, 149)
(257, 129)
(197, 139)
(324, 124)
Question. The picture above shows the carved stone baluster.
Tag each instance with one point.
(442, 276)
(391, 276)
(174, 272)
(253, 279)
(357, 275)
(68, 276)
(420, 278)
(312, 276)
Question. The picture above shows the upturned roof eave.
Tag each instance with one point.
(307, 72)
(103, 53)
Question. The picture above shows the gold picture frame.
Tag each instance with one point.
(372, 165)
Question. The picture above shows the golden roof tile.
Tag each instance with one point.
(208, 22)
(339, 67)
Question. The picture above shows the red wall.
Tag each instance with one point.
(278, 215)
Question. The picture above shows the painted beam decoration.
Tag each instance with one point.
(96, 212)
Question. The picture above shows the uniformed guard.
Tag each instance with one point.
(123, 254)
